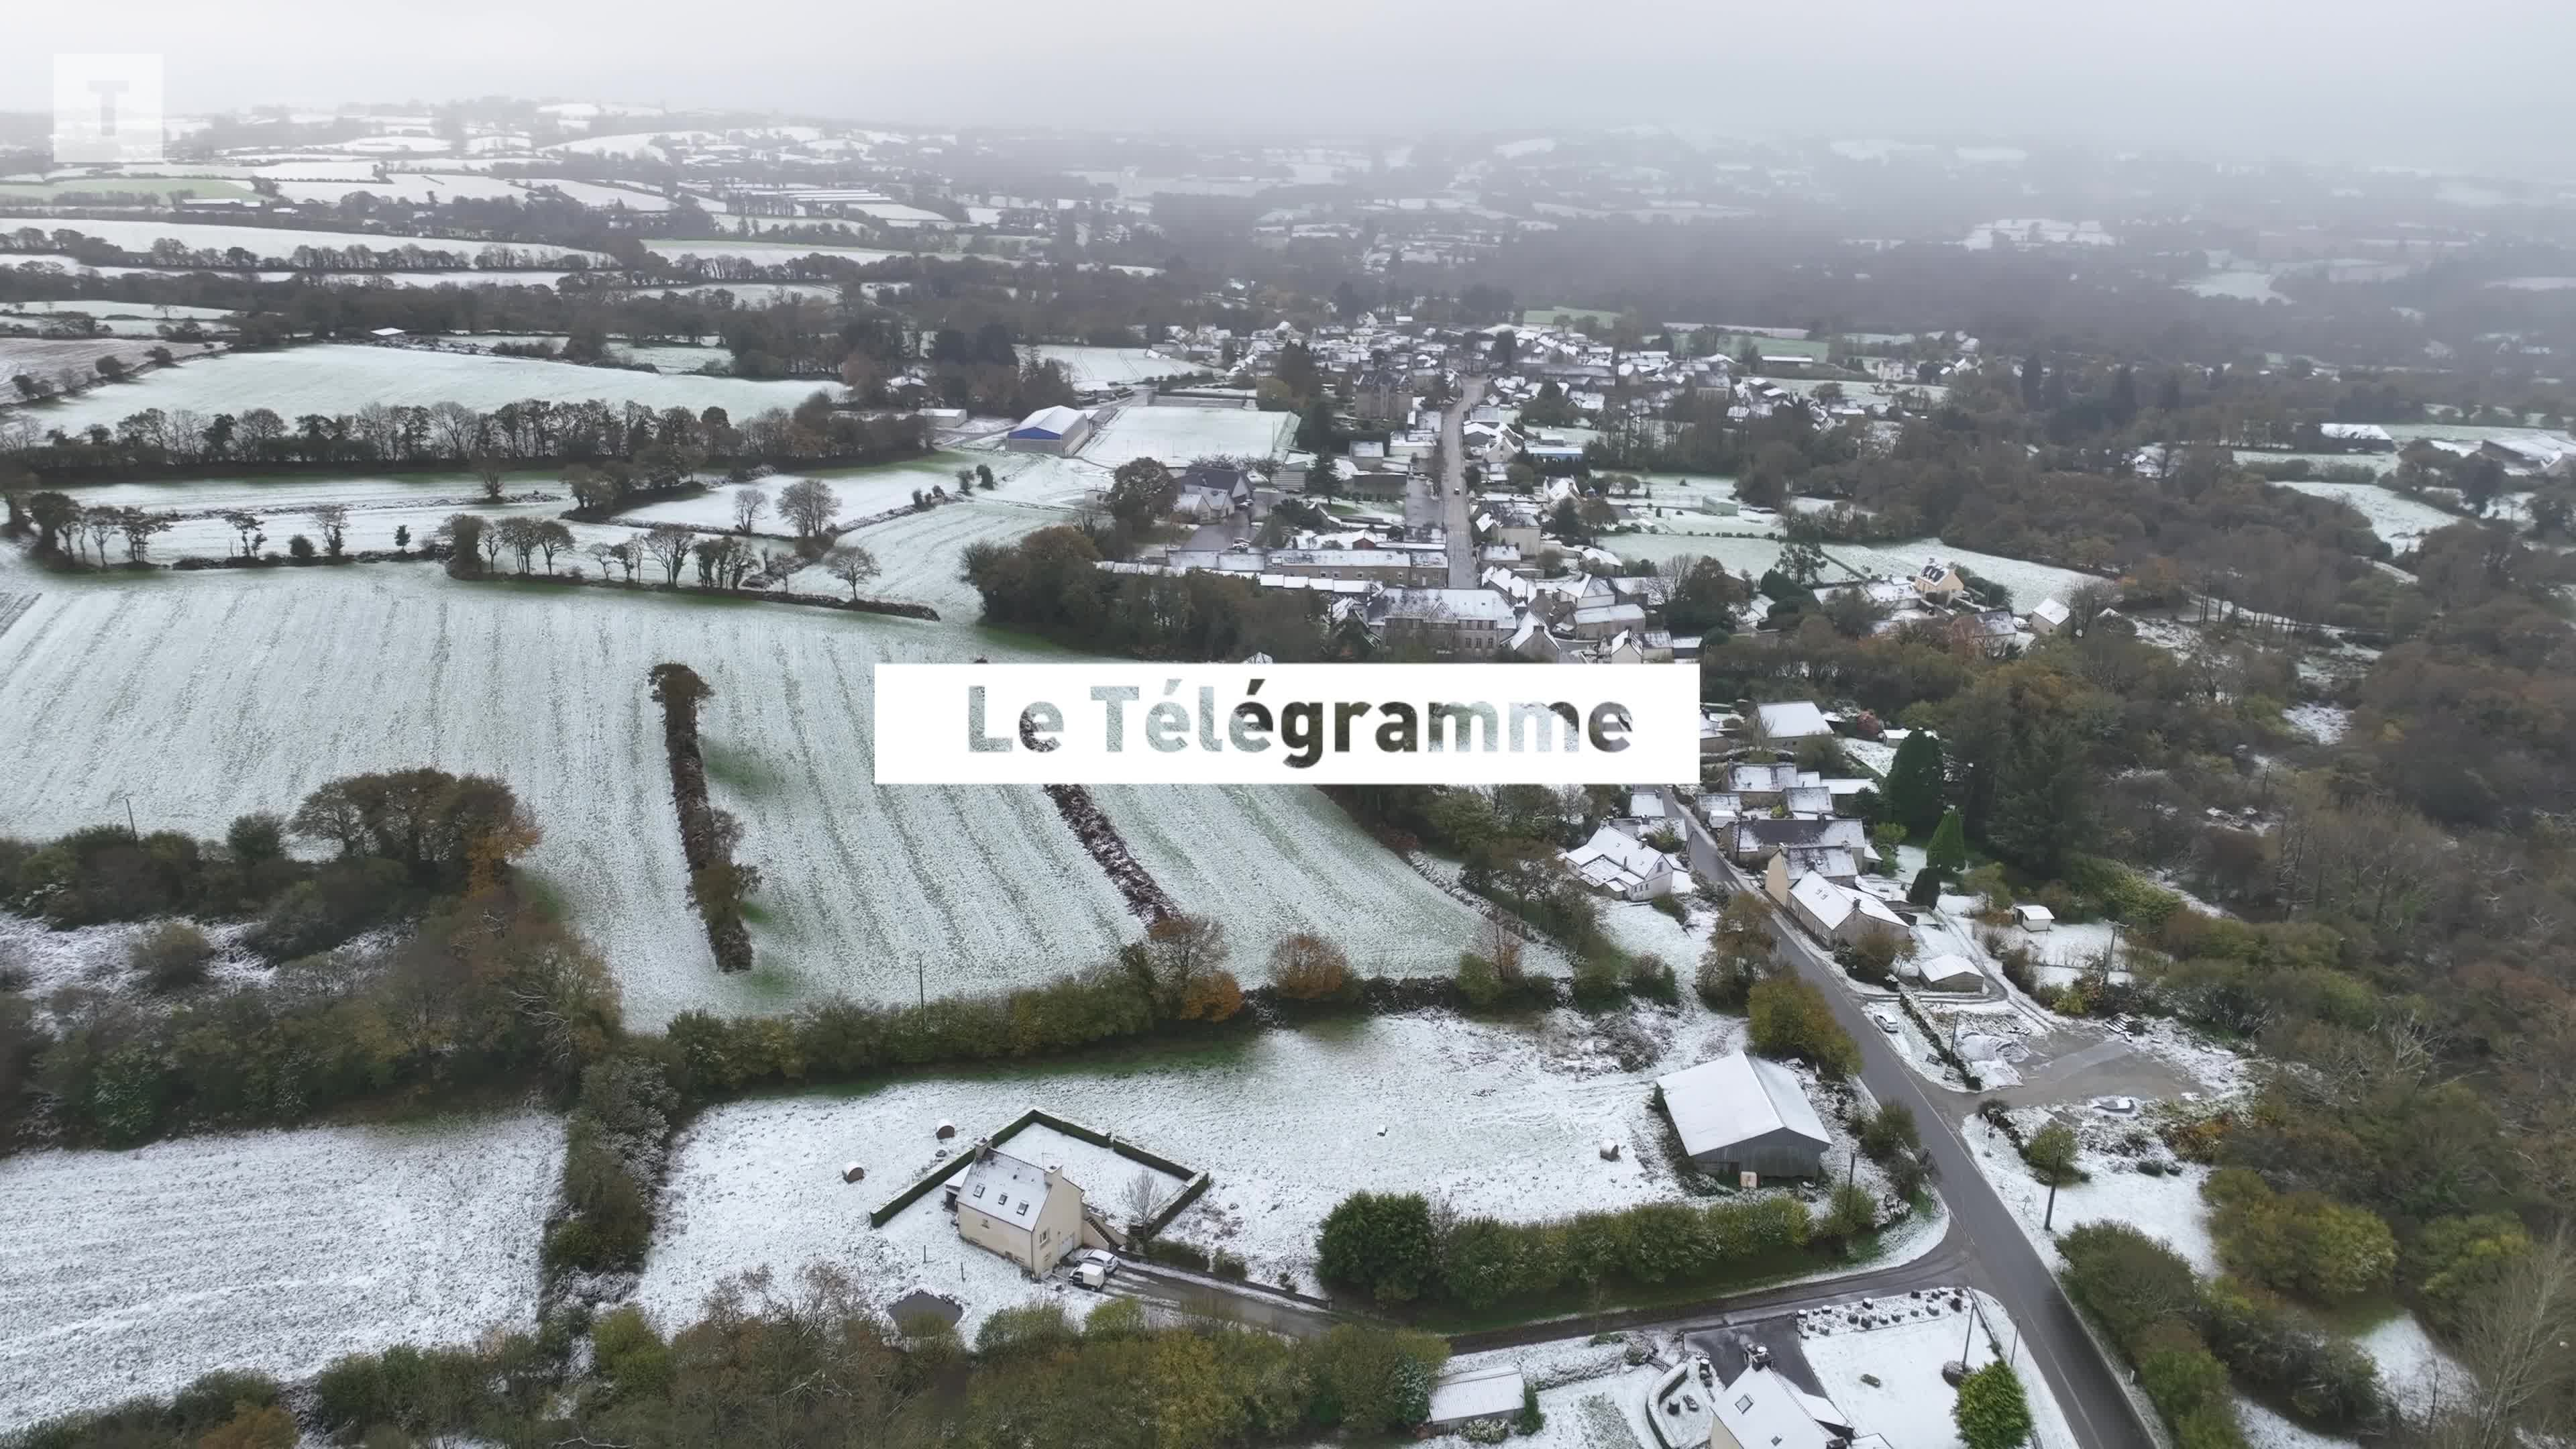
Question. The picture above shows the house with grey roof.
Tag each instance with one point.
(1742, 1113)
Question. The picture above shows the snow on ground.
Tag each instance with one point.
(48, 357)
(273, 1252)
(759, 294)
(377, 506)
(99, 307)
(765, 253)
(2167, 1207)
(2244, 286)
(1909, 1404)
(342, 378)
(241, 691)
(2031, 583)
(417, 187)
(2323, 723)
(1639, 928)
(1499, 1118)
(1175, 435)
(1269, 862)
(1876, 756)
(2399, 521)
(2415, 1369)
(277, 244)
(862, 491)
(1101, 368)
(2265, 1429)
(36, 961)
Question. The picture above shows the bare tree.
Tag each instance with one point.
(1142, 1194)
(2514, 1340)
(244, 523)
(749, 502)
(852, 565)
(100, 523)
(604, 554)
(552, 538)
(782, 564)
(488, 468)
(519, 536)
(808, 504)
(333, 520)
(139, 527)
(668, 544)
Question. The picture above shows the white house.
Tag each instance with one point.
(1626, 867)
(2049, 617)
(2034, 918)
(1842, 914)
(1792, 720)
(1762, 1410)
(1029, 1214)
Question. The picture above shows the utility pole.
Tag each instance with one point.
(2048, 1220)
(1970, 1335)
(128, 797)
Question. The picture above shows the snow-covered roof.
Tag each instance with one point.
(2035, 913)
(1620, 849)
(1052, 422)
(1736, 1098)
(2053, 610)
(1793, 720)
(1828, 904)
(1762, 1410)
(1002, 1186)
(1948, 966)
(2355, 432)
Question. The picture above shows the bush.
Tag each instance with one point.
(1309, 968)
(1791, 1020)
(1478, 982)
(1381, 1244)
(1177, 1253)
(2301, 1243)
(1650, 976)
(2326, 1383)
(1599, 980)
(2052, 1153)
(2456, 1260)
(172, 955)
(1375, 1380)
(1991, 1410)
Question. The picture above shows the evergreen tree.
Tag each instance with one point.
(1949, 848)
(2041, 805)
(1992, 1412)
(1315, 430)
(1323, 480)
(1916, 783)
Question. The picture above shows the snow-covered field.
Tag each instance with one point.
(862, 491)
(1107, 367)
(88, 307)
(2396, 518)
(2031, 583)
(48, 357)
(277, 244)
(417, 187)
(129, 1273)
(762, 253)
(760, 294)
(377, 506)
(1175, 435)
(2244, 286)
(1496, 1118)
(340, 378)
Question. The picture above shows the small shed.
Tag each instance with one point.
(2034, 918)
(1945, 972)
(1739, 1113)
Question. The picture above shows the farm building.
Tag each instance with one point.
(2034, 918)
(1945, 972)
(1050, 430)
(1792, 720)
(1029, 1214)
(1743, 1114)
(2049, 617)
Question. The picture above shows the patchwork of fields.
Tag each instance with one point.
(214, 694)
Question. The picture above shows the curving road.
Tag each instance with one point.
(2086, 1385)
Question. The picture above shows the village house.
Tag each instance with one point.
(1029, 1214)
(1797, 862)
(1843, 915)
(1792, 720)
(1939, 581)
(1765, 785)
(1741, 1113)
(1762, 1409)
(2049, 617)
(1620, 864)
(1451, 621)
(1755, 839)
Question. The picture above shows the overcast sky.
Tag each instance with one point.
(2471, 85)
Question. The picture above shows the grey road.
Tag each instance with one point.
(2086, 1386)
(1453, 486)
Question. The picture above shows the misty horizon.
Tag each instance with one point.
(2477, 94)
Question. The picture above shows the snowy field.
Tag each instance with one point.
(1092, 368)
(1498, 1119)
(272, 1252)
(862, 491)
(417, 187)
(1176, 435)
(339, 378)
(277, 244)
(757, 294)
(242, 691)
(766, 254)
(91, 307)
(2400, 521)
(377, 506)
(460, 277)
(2244, 286)
(47, 357)
(2031, 583)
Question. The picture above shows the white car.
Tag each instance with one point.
(2117, 1106)
(1886, 1021)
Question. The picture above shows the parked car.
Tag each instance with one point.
(1886, 1021)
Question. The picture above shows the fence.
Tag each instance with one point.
(1194, 1184)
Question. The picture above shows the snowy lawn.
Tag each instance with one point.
(764, 253)
(1175, 435)
(1097, 368)
(1498, 1118)
(48, 357)
(2167, 1207)
(273, 1252)
(342, 378)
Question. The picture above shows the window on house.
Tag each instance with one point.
(1744, 1405)
(979, 1189)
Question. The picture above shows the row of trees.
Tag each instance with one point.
(769, 1365)
(663, 447)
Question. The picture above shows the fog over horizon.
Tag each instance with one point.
(2479, 87)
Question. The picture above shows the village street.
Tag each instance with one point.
(1453, 486)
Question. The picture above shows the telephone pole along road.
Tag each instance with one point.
(2086, 1387)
